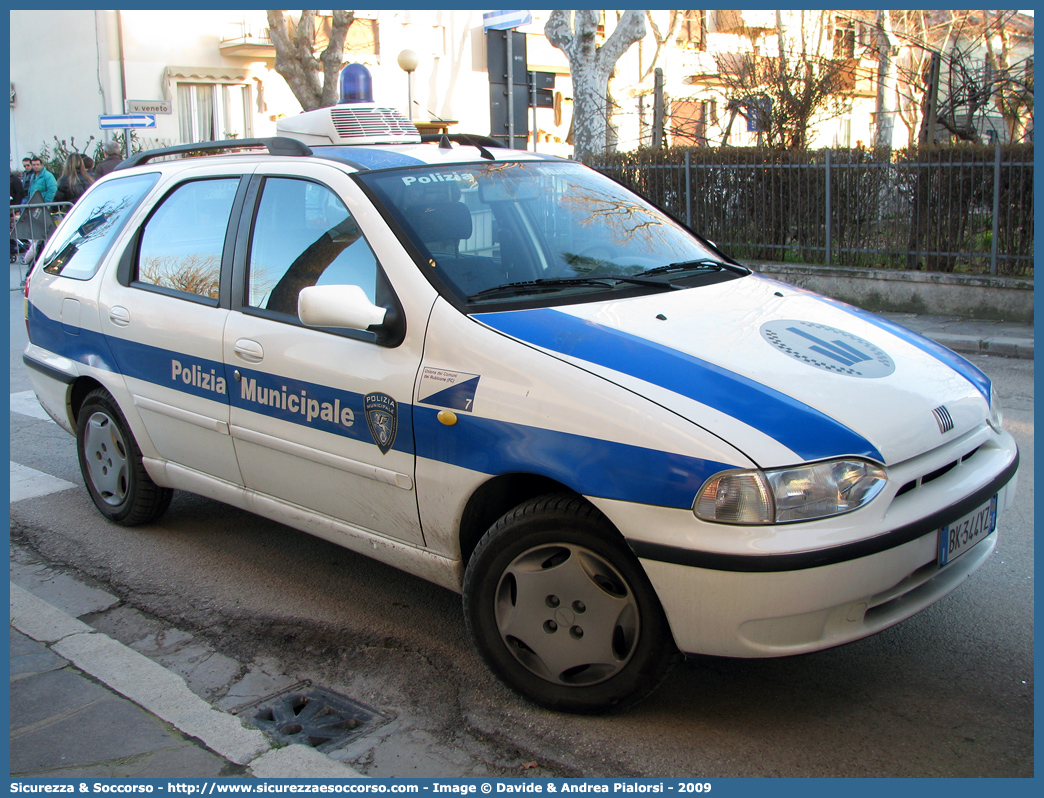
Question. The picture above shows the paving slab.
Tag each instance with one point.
(29, 658)
(86, 705)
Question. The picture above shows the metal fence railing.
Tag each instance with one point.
(31, 225)
(940, 209)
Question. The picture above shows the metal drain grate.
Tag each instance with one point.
(313, 716)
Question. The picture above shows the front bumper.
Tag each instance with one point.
(791, 589)
(735, 614)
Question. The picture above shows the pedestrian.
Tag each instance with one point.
(111, 161)
(17, 189)
(42, 188)
(42, 181)
(27, 176)
(17, 195)
(74, 181)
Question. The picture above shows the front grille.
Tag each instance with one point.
(943, 419)
(933, 475)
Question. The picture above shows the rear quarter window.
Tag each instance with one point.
(183, 241)
(79, 245)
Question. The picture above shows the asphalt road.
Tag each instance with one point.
(946, 693)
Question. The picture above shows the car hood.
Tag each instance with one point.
(783, 374)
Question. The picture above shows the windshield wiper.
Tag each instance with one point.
(692, 265)
(643, 279)
(549, 284)
(554, 283)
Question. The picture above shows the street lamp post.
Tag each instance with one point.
(408, 63)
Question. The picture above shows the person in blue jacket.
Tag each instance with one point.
(42, 181)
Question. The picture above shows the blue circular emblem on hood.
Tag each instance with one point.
(828, 348)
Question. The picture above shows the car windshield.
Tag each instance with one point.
(539, 230)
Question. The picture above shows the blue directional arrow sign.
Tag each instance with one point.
(110, 121)
(505, 20)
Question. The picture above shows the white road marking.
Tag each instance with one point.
(28, 483)
(26, 403)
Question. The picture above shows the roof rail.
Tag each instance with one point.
(478, 142)
(471, 139)
(276, 145)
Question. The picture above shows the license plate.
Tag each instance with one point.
(957, 538)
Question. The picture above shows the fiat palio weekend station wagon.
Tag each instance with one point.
(507, 374)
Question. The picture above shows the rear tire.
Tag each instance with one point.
(110, 462)
(561, 611)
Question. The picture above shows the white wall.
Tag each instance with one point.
(59, 88)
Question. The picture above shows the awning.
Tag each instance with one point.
(203, 74)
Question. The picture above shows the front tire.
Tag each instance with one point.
(562, 612)
(110, 462)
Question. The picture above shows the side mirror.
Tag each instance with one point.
(344, 306)
(347, 307)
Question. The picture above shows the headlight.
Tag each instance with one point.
(996, 416)
(803, 493)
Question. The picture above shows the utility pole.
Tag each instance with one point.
(658, 110)
(927, 135)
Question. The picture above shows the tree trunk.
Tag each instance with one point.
(296, 60)
(590, 67)
(887, 76)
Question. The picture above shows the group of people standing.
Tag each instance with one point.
(77, 175)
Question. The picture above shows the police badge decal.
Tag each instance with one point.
(382, 417)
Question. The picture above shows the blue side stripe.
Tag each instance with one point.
(965, 368)
(588, 465)
(155, 365)
(86, 346)
(591, 466)
(803, 429)
(323, 403)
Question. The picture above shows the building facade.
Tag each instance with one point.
(209, 75)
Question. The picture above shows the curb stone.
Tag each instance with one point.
(164, 694)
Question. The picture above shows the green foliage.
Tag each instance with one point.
(54, 156)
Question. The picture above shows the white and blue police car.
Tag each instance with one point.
(507, 374)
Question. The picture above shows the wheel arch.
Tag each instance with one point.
(494, 498)
(500, 495)
(78, 392)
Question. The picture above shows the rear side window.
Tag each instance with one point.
(76, 250)
(183, 240)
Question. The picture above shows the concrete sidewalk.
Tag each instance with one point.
(971, 336)
(84, 705)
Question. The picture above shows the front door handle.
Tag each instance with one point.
(119, 316)
(250, 351)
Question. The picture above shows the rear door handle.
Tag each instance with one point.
(250, 351)
(119, 316)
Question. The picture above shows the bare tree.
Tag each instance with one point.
(913, 31)
(575, 33)
(1013, 97)
(978, 74)
(645, 71)
(661, 38)
(296, 44)
(785, 95)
